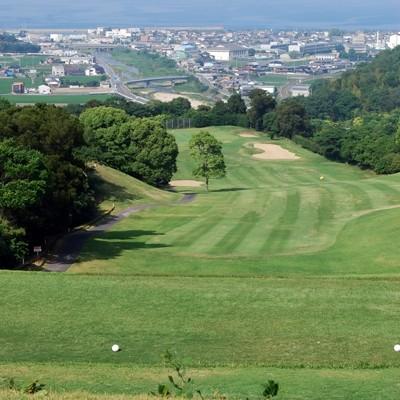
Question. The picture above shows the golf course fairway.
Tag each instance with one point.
(287, 269)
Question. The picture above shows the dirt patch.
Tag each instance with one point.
(248, 134)
(166, 97)
(273, 152)
(186, 183)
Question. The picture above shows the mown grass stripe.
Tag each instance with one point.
(276, 240)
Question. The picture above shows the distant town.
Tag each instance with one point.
(206, 64)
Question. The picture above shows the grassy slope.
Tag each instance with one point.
(122, 191)
(320, 336)
(147, 66)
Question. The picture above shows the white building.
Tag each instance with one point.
(394, 41)
(267, 88)
(58, 70)
(300, 90)
(228, 53)
(44, 89)
(91, 71)
(56, 37)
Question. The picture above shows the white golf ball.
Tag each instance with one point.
(115, 348)
(322, 178)
(397, 348)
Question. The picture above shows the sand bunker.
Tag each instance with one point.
(273, 152)
(185, 183)
(166, 97)
(248, 134)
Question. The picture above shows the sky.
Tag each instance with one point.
(353, 14)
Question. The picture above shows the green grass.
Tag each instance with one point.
(267, 218)
(273, 274)
(235, 382)
(192, 86)
(82, 80)
(273, 79)
(6, 84)
(149, 65)
(55, 99)
(114, 188)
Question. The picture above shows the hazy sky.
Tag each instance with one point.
(230, 13)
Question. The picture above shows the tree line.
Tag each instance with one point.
(45, 181)
(10, 44)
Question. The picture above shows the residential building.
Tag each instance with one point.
(18, 88)
(394, 41)
(58, 70)
(44, 89)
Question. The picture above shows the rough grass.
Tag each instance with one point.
(84, 381)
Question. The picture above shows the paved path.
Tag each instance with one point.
(68, 249)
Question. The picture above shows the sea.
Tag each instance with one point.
(232, 14)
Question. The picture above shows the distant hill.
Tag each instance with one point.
(370, 87)
(10, 44)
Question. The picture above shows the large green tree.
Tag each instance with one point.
(292, 118)
(140, 147)
(261, 103)
(236, 104)
(58, 136)
(207, 153)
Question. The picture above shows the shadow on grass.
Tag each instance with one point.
(109, 245)
(227, 190)
(109, 191)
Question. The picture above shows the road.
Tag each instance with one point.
(116, 82)
(68, 248)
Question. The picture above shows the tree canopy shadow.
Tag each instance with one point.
(227, 190)
(106, 190)
(108, 245)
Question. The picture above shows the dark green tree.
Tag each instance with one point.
(292, 118)
(261, 103)
(236, 104)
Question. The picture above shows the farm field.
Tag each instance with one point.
(6, 84)
(54, 99)
(82, 80)
(274, 79)
(273, 274)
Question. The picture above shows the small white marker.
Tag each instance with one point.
(115, 348)
(397, 348)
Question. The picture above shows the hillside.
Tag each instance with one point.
(370, 87)
(116, 188)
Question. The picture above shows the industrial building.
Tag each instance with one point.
(312, 48)
(228, 53)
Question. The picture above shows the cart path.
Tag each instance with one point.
(69, 247)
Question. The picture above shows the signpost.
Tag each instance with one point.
(37, 250)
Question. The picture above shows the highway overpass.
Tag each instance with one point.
(147, 81)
